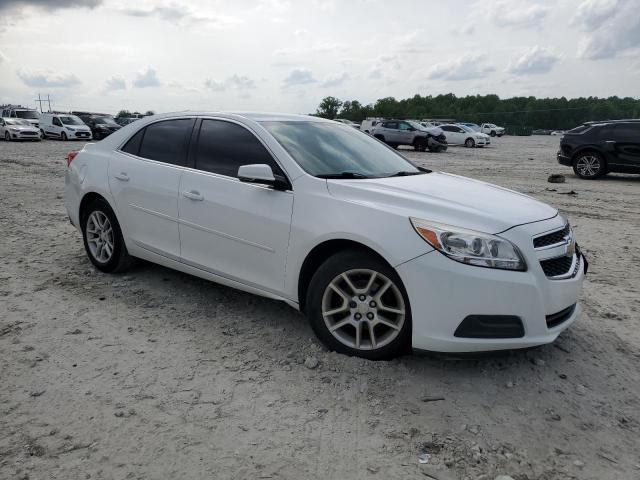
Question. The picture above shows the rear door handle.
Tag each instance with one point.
(193, 195)
(122, 176)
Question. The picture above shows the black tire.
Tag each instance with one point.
(7, 137)
(120, 260)
(42, 134)
(469, 143)
(589, 165)
(493, 133)
(398, 340)
(420, 144)
(379, 137)
(63, 137)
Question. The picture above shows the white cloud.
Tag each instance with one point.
(115, 82)
(610, 28)
(335, 80)
(146, 78)
(235, 82)
(517, 14)
(47, 79)
(534, 60)
(299, 76)
(181, 14)
(469, 66)
(2, 57)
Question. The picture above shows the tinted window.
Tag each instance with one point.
(223, 147)
(446, 128)
(628, 131)
(56, 122)
(405, 126)
(393, 125)
(133, 145)
(164, 141)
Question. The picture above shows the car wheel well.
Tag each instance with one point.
(319, 254)
(87, 200)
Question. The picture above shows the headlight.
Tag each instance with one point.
(14, 129)
(470, 247)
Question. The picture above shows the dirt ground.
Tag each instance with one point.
(159, 375)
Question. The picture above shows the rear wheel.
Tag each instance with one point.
(357, 305)
(589, 165)
(493, 133)
(103, 239)
(469, 143)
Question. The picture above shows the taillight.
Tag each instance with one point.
(71, 155)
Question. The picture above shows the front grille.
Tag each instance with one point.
(82, 134)
(560, 317)
(551, 238)
(29, 133)
(555, 267)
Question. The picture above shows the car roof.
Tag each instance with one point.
(255, 116)
(605, 122)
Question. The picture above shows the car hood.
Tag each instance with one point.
(24, 128)
(81, 128)
(446, 198)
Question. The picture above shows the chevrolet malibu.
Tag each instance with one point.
(381, 255)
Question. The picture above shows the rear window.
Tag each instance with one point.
(165, 141)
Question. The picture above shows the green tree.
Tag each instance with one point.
(329, 107)
(123, 113)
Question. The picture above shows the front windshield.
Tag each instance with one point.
(71, 120)
(106, 121)
(16, 121)
(328, 149)
(30, 114)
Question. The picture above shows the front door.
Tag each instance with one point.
(230, 228)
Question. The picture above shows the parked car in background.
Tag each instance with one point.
(31, 115)
(596, 148)
(487, 138)
(556, 133)
(64, 126)
(472, 126)
(101, 125)
(492, 129)
(348, 122)
(540, 131)
(368, 123)
(382, 256)
(459, 135)
(18, 129)
(406, 132)
(122, 121)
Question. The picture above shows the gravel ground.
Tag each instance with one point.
(156, 374)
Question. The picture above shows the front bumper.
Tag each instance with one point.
(21, 135)
(563, 159)
(443, 293)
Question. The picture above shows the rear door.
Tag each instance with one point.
(234, 229)
(144, 177)
(626, 142)
(391, 132)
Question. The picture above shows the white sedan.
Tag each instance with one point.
(381, 255)
(18, 129)
(463, 135)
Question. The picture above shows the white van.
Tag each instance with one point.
(368, 124)
(64, 126)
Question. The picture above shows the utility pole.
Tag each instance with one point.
(41, 100)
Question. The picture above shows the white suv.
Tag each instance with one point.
(64, 126)
(380, 254)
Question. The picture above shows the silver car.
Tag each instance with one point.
(18, 129)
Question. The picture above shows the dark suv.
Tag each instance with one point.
(596, 148)
(101, 125)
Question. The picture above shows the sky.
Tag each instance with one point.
(286, 55)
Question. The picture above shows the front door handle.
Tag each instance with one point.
(193, 195)
(122, 176)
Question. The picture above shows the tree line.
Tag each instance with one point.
(525, 112)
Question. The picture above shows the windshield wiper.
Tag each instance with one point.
(404, 173)
(342, 175)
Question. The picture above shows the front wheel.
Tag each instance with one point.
(7, 137)
(493, 133)
(63, 137)
(589, 165)
(469, 143)
(103, 239)
(420, 145)
(357, 305)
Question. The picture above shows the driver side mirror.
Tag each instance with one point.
(262, 174)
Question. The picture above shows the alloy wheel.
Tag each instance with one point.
(100, 237)
(363, 309)
(588, 165)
